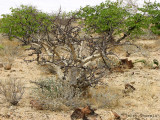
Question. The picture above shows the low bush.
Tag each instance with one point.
(60, 95)
(12, 89)
(24, 21)
(57, 94)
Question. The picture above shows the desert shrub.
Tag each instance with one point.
(57, 94)
(24, 21)
(110, 19)
(153, 11)
(65, 45)
(12, 89)
(60, 95)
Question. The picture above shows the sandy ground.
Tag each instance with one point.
(142, 104)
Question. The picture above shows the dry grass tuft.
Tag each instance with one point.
(57, 94)
(12, 89)
(104, 96)
(9, 50)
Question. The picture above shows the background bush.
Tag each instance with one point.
(24, 21)
(153, 12)
(111, 18)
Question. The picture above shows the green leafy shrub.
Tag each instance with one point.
(24, 21)
(110, 18)
(153, 10)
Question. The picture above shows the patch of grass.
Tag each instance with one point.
(148, 63)
(26, 46)
(1, 46)
(142, 61)
(9, 50)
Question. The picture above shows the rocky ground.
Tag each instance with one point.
(142, 103)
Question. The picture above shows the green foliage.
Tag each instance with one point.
(111, 18)
(153, 10)
(142, 61)
(1, 47)
(24, 21)
(148, 63)
(103, 17)
(135, 24)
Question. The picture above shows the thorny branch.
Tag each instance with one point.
(74, 53)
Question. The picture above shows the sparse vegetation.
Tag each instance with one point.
(57, 94)
(83, 53)
(1, 46)
(12, 89)
(65, 44)
(60, 95)
(152, 64)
